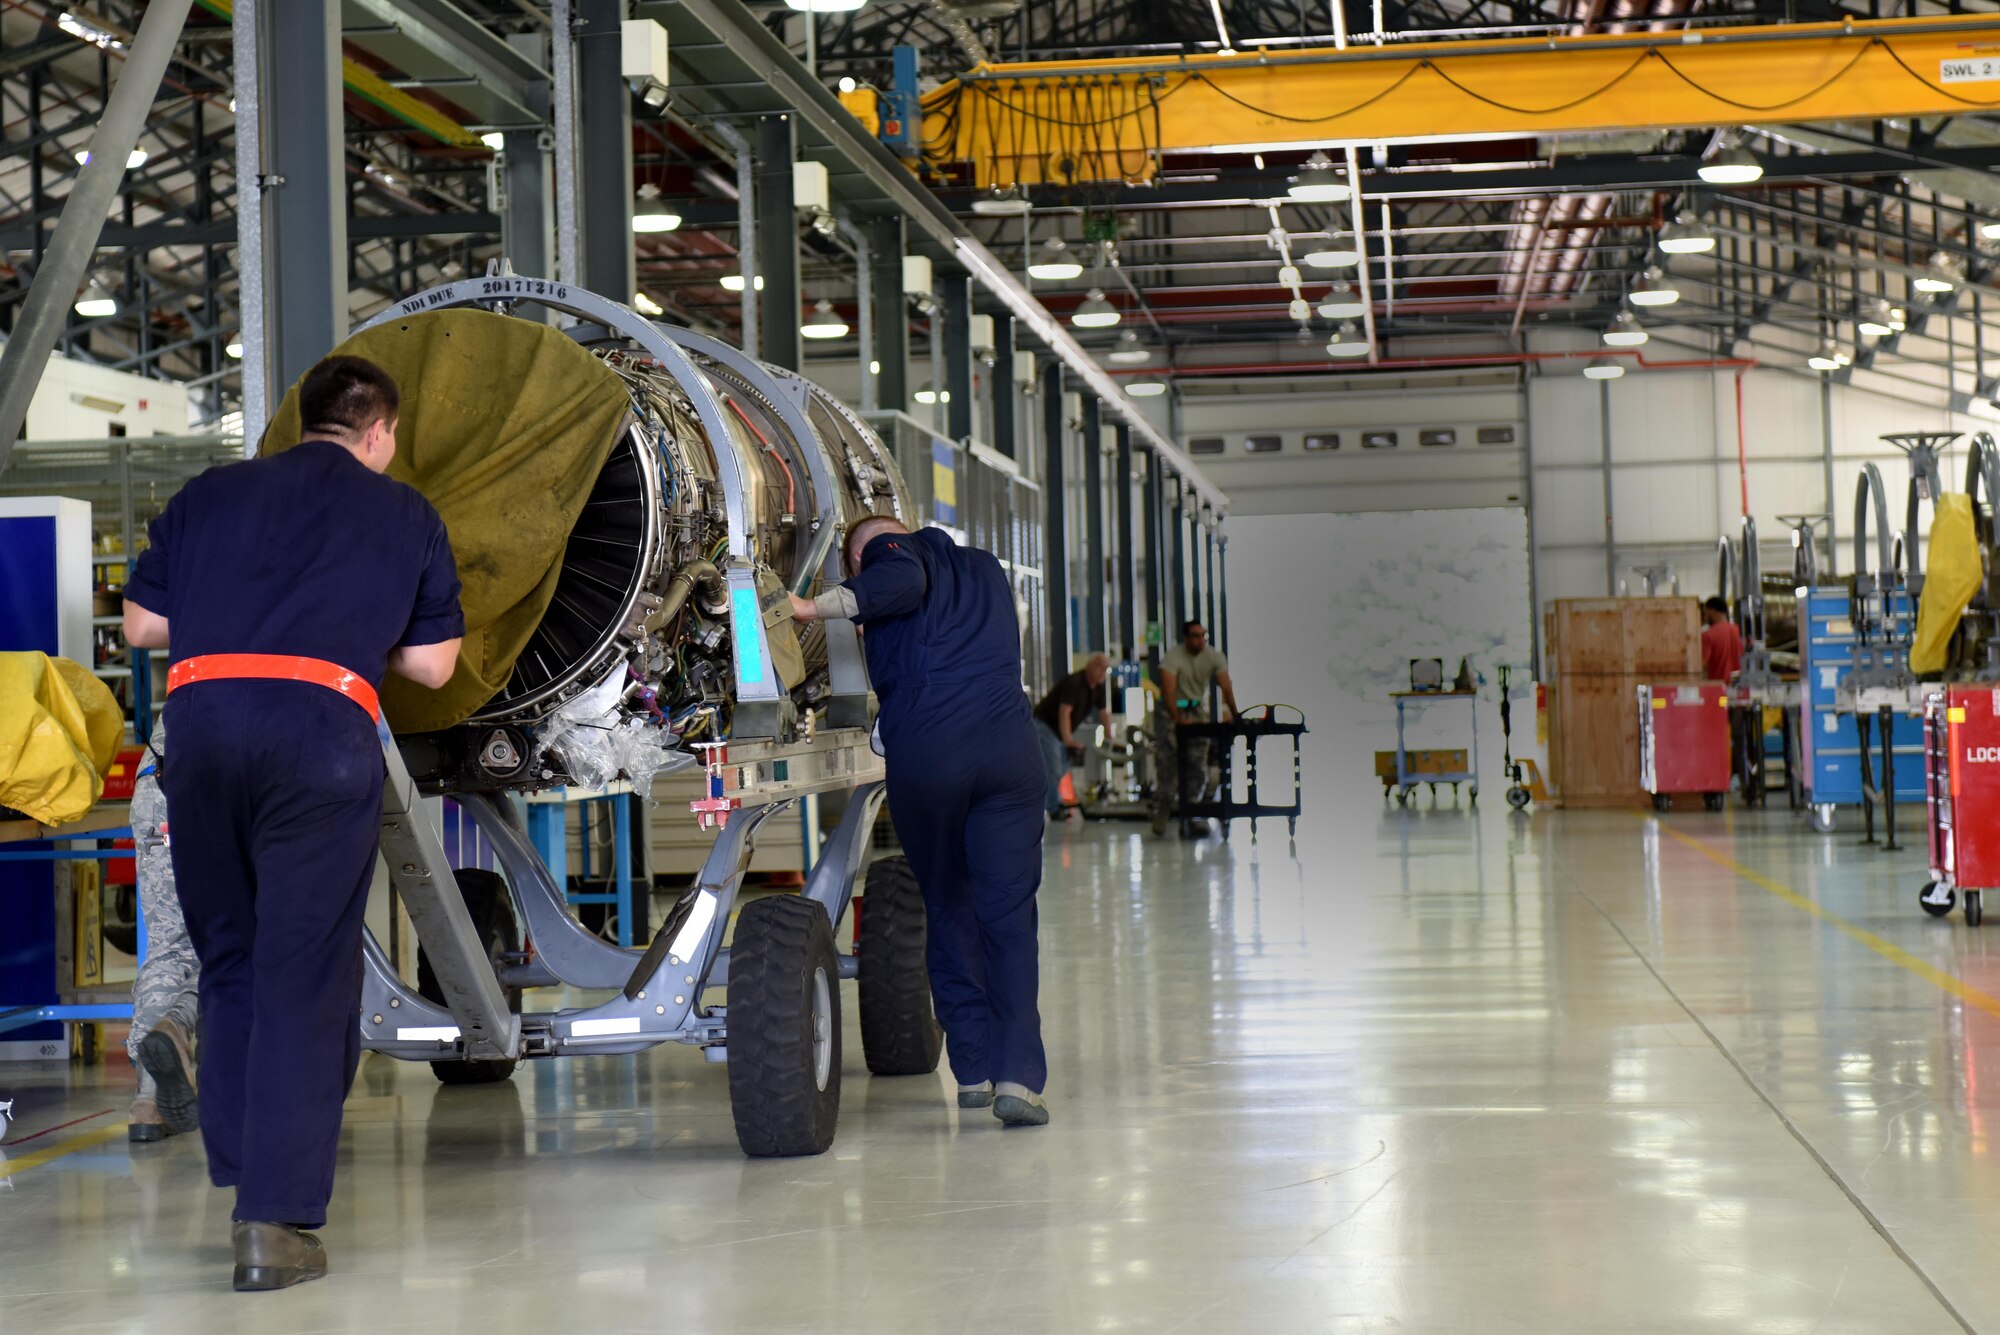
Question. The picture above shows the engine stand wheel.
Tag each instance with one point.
(1975, 909)
(899, 1031)
(1517, 797)
(1662, 802)
(485, 896)
(784, 1028)
(1938, 899)
(1822, 817)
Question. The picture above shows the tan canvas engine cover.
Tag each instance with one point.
(59, 731)
(505, 426)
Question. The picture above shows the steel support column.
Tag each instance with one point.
(1002, 387)
(955, 296)
(891, 350)
(1178, 570)
(303, 125)
(526, 203)
(1055, 539)
(778, 338)
(1208, 581)
(1154, 616)
(1121, 495)
(1222, 591)
(604, 152)
(1093, 526)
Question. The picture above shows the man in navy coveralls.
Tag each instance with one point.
(285, 587)
(966, 790)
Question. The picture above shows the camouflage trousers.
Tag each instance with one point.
(1173, 787)
(166, 985)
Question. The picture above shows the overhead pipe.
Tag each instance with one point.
(1471, 360)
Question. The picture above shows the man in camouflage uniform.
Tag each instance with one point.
(164, 994)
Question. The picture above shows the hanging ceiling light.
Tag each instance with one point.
(1336, 256)
(1146, 389)
(825, 6)
(645, 305)
(1625, 331)
(1343, 303)
(1095, 312)
(1348, 341)
(1319, 183)
(1129, 351)
(928, 396)
(1685, 235)
(1730, 164)
(96, 301)
(1990, 231)
(1873, 319)
(733, 282)
(1899, 319)
(1827, 358)
(1942, 274)
(1299, 310)
(651, 213)
(1003, 202)
(233, 349)
(1054, 262)
(1288, 275)
(824, 322)
(84, 30)
(494, 140)
(1654, 288)
(133, 160)
(1604, 368)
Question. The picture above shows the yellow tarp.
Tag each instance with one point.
(505, 426)
(59, 732)
(1952, 573)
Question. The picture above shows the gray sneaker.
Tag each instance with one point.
(1014, 1111)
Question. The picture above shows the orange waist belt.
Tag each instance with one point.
(276, 667)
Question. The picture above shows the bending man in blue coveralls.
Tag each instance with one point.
(289, 585)
(965, 788)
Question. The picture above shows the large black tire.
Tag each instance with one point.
(899, 1031)
(485, 896)
(784, 1028)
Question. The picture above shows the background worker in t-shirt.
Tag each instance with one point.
(1072, 702)
(1185, 674)
(1721, 642)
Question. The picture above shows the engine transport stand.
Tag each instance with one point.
(1407, 778)
(1684, 746)
(779, 1032)
(1222, 736)
(1962, 797)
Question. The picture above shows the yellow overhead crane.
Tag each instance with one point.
(1071, 122)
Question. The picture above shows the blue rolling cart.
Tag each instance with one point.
(1828, 742)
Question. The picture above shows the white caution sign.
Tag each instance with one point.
(1971, 69)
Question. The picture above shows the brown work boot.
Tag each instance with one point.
(142, 1124)
(169, 1058)
(275, 1256)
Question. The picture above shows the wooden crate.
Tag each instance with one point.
(1422, 764)
(1624, 637)
(1594, 737)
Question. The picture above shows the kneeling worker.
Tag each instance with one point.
(1070, 704)
(966, 789)
(285, 587)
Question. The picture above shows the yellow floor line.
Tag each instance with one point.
(36, 1158)
(1887, 949)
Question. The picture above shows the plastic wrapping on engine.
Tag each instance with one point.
(594, 753)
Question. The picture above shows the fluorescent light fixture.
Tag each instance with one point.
(1873, 319)
(651, 213)
(233, 349)
(1095, 312)
(1604, 368)
(825, 6)
(1990, 231)
(1343, 303)
(1288, 275)
(1054, 262)
(1899, 319)
(1730, 164)
(494, 140)
(1008, 202)
(645, 305)
(1129, 351)
(84, 30)
(97, 301)
(1347, 341)
(1653, 289)
(733, 282)
(928, 396)
(1333, 257)
(1942, 274)
(1827, 358)
(1686, 236)
(1319, 183)
(1625, 331)
(1146, 389)
(824, 322)
(133, 160)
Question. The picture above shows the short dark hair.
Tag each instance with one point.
(1187, 626)
(1716, 604)
(349, 392)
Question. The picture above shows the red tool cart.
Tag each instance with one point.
(1684, 743)
(1962, 796)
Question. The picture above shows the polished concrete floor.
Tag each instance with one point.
(1428, 1071)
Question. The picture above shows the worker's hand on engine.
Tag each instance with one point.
(803, 609)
